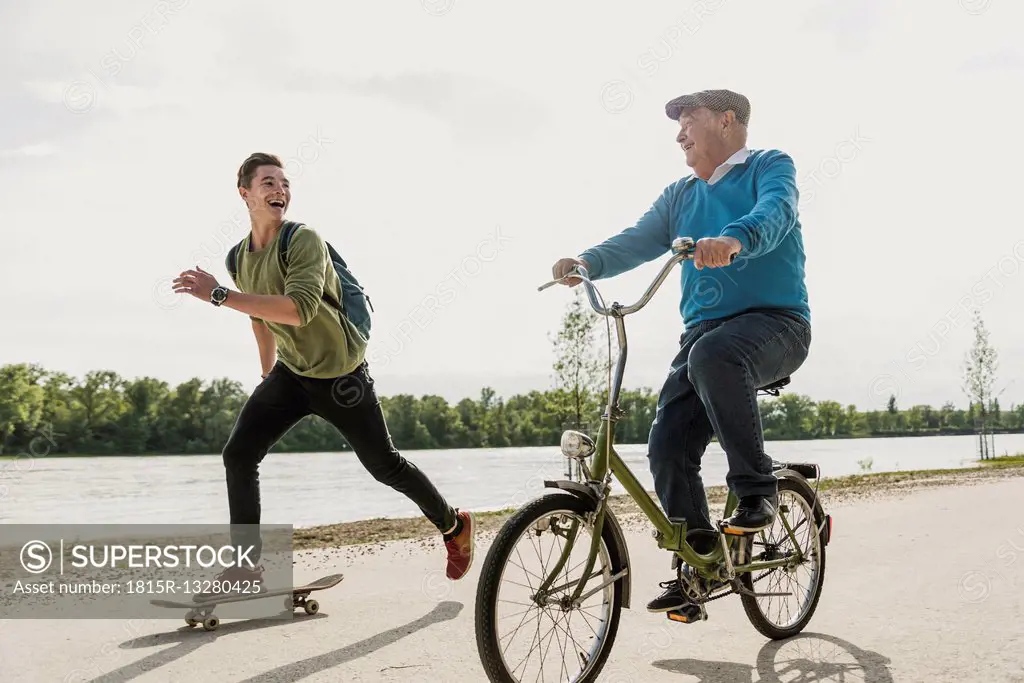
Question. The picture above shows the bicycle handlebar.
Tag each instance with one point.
(682, 249)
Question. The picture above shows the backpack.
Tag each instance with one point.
(354, 298)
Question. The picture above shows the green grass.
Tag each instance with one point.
(1004, 461)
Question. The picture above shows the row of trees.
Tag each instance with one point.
(104, 413)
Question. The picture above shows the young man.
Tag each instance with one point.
(312, 359)
(746, 324)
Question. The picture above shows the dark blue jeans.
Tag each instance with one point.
(712, 389)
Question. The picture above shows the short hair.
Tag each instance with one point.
(248, 168)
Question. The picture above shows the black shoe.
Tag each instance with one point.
(671, 599)
(674, 599)
(689, 612)
(752, 514)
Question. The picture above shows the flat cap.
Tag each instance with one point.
(715, 100)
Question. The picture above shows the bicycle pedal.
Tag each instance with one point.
(731, 531)
(686, 615)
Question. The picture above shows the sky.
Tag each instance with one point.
(444, 146)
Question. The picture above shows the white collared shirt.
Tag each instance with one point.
(735, 160)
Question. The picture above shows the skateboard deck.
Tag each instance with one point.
(201, 611)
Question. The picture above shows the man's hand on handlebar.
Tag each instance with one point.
(564, 266)
(714, 252)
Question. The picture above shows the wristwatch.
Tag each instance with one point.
(219, 295)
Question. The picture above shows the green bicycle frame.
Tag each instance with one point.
(670, 534)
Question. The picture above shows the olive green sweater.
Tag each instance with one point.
(324, 344)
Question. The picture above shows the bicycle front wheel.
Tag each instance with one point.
(524, 634)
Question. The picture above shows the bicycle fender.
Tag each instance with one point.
(819, 511)
(581, 491)
(619, 553)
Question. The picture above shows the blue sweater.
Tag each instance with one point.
(756, 202)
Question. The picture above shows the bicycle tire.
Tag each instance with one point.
(799, 487)
(492, 570)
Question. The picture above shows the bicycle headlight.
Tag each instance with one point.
(576, 444)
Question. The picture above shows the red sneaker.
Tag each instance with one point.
(460, 548)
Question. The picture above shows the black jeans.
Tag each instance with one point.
(348, 402)
(712, 389)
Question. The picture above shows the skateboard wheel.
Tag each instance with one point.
(211, 623)
(312, 606)
(289, 603)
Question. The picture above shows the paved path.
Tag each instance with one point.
(925, 587)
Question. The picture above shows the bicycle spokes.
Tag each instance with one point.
(542, 633)
(792, 536)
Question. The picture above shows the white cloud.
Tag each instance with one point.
(995, 61)
(42, 149)
(852, 24)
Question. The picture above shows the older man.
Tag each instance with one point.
(746, 322)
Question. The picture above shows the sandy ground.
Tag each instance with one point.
(921, 585)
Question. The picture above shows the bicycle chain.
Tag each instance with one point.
(733, 591)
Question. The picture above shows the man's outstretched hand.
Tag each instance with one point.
(715, 252)
(196, 282)
(563, 266)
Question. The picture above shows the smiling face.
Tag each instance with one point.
(264, 187)
(704, 138)
(269, 194)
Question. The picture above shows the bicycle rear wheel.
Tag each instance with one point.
(778, 617)
(523, 639)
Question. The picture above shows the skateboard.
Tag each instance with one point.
(201, 611)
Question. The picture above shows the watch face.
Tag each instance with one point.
(219, 294)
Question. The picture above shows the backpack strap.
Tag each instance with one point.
(231, 262)
(335, 258)
(288, 229)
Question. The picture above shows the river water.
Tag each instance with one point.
(305, 489)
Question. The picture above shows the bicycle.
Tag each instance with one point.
(582, 506)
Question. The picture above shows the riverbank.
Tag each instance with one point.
(839, 489)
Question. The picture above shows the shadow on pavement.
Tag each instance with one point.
(190, 639)
(445, 611)
(706, 671)
(807, 658)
